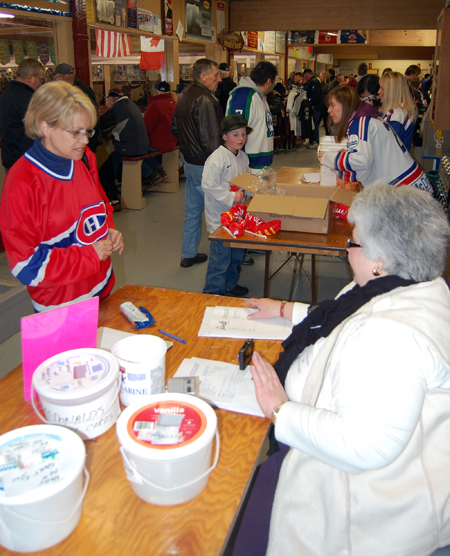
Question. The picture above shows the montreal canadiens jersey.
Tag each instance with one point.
(51, 213)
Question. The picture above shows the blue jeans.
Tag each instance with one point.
(194, 204)
(314, 137)
(222, 274)
(150, 164)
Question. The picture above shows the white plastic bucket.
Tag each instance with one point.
(41, 473)
(142, 360)
(166, 445)
(328, 144)
(79, 389)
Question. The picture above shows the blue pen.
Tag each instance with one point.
(173, 337)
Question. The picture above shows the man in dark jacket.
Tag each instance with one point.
(314, 95)
(65, 72)
(14, 103)
(225, 86)
(196, 124)
(129, 138)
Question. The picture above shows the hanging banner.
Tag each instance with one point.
(31, 49)
(353, 37)
(43, 52)
(152, 53)
(17, 51)
(51, 47)
(4, 51)
(328, 37)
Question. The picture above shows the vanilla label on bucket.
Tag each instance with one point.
(28, 463)
(165, 424)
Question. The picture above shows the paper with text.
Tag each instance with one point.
(232, 322)
(223, 384)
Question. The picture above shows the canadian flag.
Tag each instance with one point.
(111, 44)
(152, 53)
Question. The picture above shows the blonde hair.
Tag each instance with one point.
(57, 103)
(397, 94)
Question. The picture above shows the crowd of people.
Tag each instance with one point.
(359, 396)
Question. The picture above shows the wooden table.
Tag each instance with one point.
(114, 520)
(333, 243)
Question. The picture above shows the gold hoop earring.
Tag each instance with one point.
(377, 272)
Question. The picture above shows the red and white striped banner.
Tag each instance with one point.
(111, 44)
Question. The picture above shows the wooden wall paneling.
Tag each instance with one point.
(407, 37)
(363, 52)
(286, 15)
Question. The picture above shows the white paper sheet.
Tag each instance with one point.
(223, 385)
(232, 322)
(107, 337)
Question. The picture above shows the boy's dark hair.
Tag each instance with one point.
(332, 72)
(262, 72)
(362, 68)
(299, 73)
(307, 70)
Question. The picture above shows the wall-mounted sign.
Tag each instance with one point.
(231, 41)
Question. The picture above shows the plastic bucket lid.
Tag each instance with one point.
(33, 448)
(188, 425)
(75, 374)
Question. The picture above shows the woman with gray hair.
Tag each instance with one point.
(55, 220)
(360, 397)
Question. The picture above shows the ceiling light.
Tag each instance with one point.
(6, 15)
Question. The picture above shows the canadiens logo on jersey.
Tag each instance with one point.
(92, 224)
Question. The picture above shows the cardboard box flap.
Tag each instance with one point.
(246, 181)
(343, 196)
(300, 207)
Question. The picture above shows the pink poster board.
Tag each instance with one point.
(46, 334)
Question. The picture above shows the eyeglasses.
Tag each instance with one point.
(41, 79)
(80, 134)
(351, 243)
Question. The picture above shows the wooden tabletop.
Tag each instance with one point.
(114, 520)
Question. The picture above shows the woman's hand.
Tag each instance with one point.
(269, 391)
(268, 308)
(103, 248)
(320, 154)
(117, 240)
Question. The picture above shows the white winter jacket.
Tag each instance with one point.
(369, 473)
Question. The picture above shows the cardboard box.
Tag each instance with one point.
(304, 208)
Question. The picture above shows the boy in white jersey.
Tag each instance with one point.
(224, 164)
